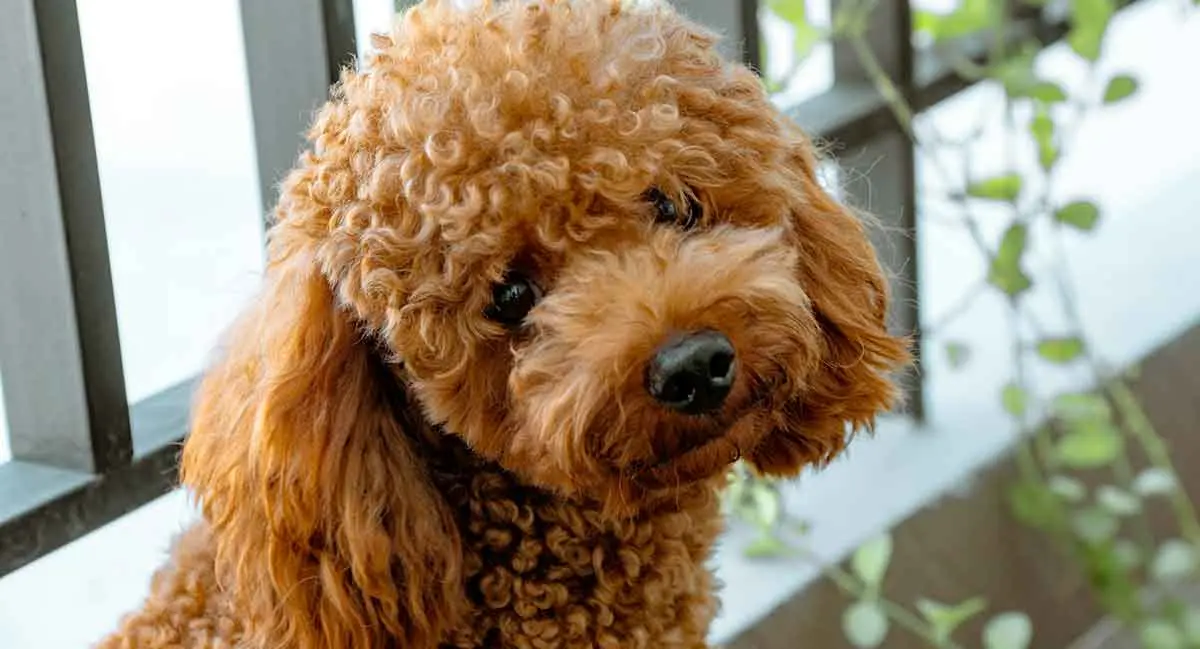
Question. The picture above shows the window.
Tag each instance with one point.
(795, 76)
(175, 153)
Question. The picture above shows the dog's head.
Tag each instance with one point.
(568, 233)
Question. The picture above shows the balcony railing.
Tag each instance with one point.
(82, 456)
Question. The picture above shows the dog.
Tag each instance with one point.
(548, 269)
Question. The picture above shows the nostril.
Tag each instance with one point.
(679, 388)
(720, 368)
(692, 373)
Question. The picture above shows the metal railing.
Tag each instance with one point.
(81, 455)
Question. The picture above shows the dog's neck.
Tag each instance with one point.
(541, 564)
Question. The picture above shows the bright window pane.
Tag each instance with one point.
(174, 142)
(798, 77)
(371, 17)
(5, 448)
(935, 6)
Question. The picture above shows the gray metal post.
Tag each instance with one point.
(59, 347)
(881, 176)
(735, 20)
(294, 51)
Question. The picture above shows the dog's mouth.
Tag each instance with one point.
(711, 450)
(702, 460)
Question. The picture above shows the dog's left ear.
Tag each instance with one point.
(852, 381)
(306, 459)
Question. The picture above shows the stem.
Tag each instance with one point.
(1123, 471)
(884, 84)
(959, 307)
(1026, 460)
(904, 117)
(1137, 423)
(904, 618)
(1158, 454)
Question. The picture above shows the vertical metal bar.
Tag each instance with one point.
(735, 20)
(882, 176)
(751, 37)
(340, 40)
(59, 346)
(294, 50)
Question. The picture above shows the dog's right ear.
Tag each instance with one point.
(329, 532)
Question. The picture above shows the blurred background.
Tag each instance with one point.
(1034, 166)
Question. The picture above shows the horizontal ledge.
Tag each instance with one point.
(851, 114)
(45, 507)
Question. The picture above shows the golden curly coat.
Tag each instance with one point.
(433, 428)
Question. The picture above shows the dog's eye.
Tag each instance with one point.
(667, 211)
(513, 299)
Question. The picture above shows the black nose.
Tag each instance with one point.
(692, 373)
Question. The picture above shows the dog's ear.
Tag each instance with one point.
(856, 355)
(329, 532)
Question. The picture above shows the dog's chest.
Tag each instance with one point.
(543, 572)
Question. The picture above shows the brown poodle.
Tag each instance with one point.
(548, 269)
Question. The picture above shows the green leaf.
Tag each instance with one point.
(864, 624)
(1033, 504)
(1089, 22)
(1086, 42)
(765, 503)
(766, 546)
(870, 561)
(1191, 624)
(1005, 272)
(957, 354)
(969, 17)
(1160, 634)
(1046, 92)
(804, 39)
(1127, 554)
(927, 22)
(1060, 350)
(1174, 560)
(1014, 400)
(1119, 88)
(1089, 446)
(1067, 488)
(1109, 579)
(1006, 187)
(795, 13)
(1154, 481)
(1081, 215)
(1008, 630)
(1092, 14)
(945, 619)
(792, 11)
(1172, 608)
(1042, 129)
(1118, 501)
(1048, 155)
(1094, 525)
(1083, 406)
(1016, 72)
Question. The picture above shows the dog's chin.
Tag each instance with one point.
(705, 460)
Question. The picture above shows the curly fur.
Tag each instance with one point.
(381, 465)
